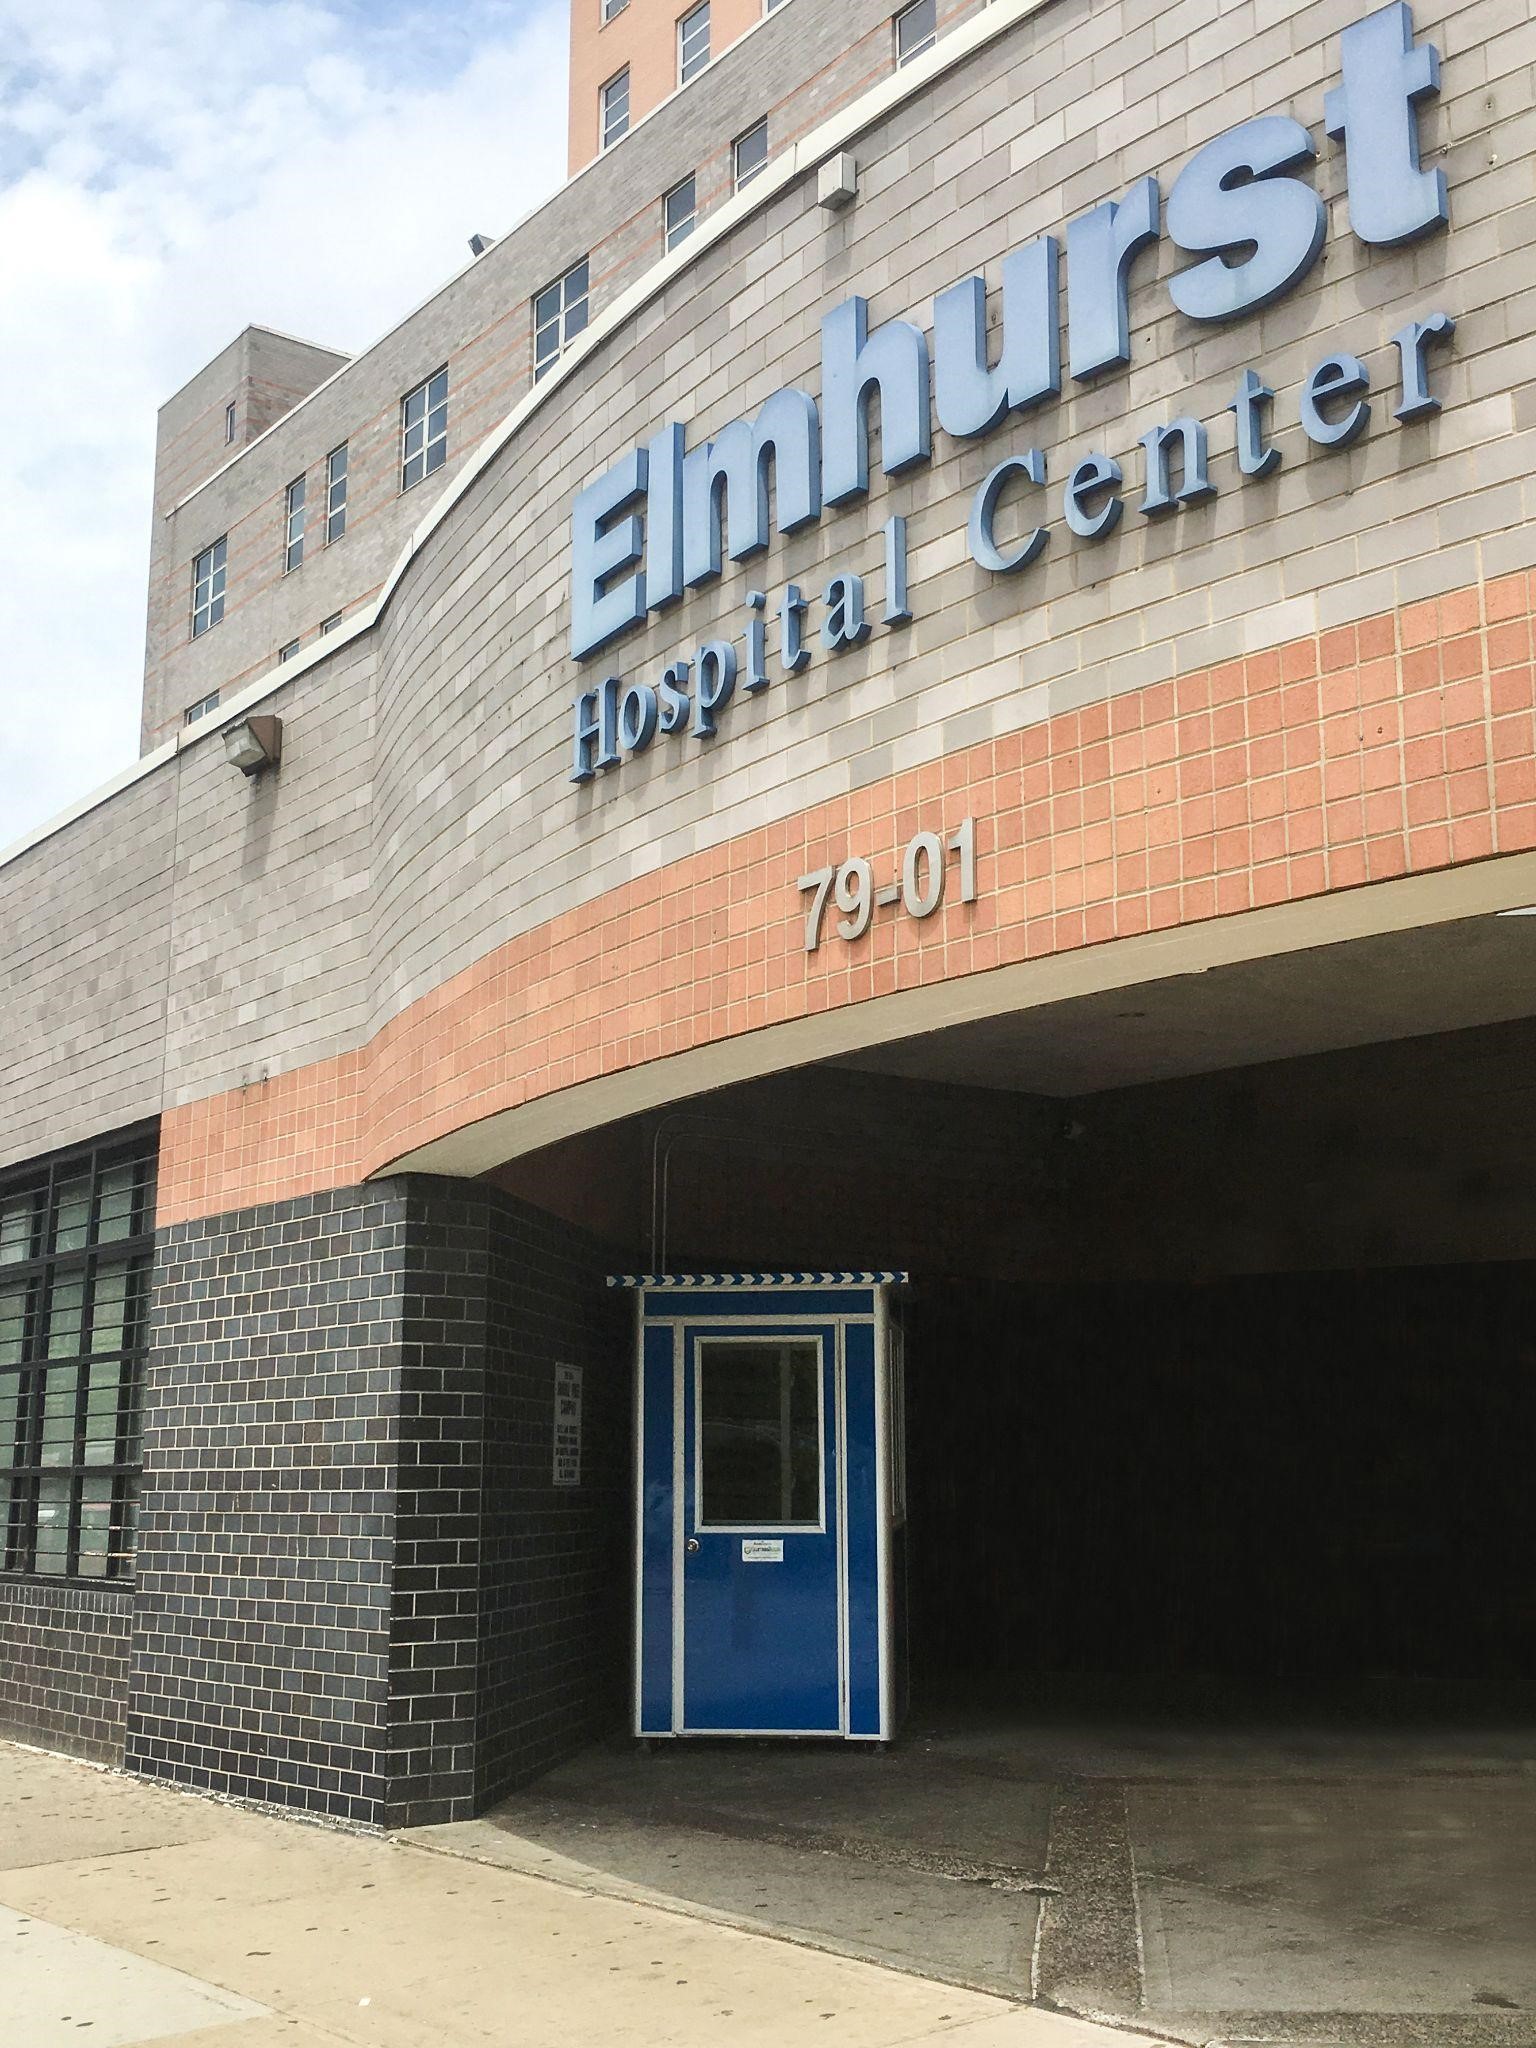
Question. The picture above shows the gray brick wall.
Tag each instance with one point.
(423, 816)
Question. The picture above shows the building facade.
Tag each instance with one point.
(962, 704)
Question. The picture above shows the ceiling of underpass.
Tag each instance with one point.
(1396, 985)
(1365, 1103)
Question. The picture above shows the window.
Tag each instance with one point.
(612, 8)
(76, 1244)
(229, 422)
(615, 108)
(750, 154)
(424, 429)
(208, 586)
(692, 43)
(329, 625)
(559, 315)
(336, 494)
(293, 543)
(201, 708)
(760, 1450)
(287, 653)
(679, 213)
(917, 30)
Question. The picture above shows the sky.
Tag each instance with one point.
(170, 174)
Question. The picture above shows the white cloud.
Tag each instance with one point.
(169, 175)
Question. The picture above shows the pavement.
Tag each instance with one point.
(1322, 1879)
(133, 1914)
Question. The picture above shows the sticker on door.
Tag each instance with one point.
(762, 1549)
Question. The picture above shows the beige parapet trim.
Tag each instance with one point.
(844, 127)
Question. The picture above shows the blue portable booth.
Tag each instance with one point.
(769, 1504)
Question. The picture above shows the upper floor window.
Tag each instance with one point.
(336, 494)
(201, 708)
(76, 1245)
(692, 43)
(559, 315)
(680, 212)
(293, 530)
(615, 108)
(917, 29)
(287, 652)
(750, 154)
(329, 625)
(208, 586)
(424, 429)
(229, 422)
(613, 7)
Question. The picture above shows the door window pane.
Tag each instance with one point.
(759, 1434)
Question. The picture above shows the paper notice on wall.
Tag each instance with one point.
(567, 1425)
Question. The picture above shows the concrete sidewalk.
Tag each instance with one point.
(130, 1914)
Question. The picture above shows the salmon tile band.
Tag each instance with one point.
(1403, 744)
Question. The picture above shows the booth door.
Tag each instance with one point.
(761, 1644)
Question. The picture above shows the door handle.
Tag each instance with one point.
(693, 1546)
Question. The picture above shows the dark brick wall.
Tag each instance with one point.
(359, 1590)
(261, 1622)
(64, 1666)
(556, 1594)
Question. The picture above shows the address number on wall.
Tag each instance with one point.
(919, 888)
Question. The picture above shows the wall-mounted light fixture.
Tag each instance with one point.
(838, 183)
(255, 743)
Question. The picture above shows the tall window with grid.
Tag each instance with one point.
(614, 107)
(424, 429)
(209, 570)
(680, 212)
(559, 315)
(692, 43)
(76, 1245)
(293, 528)
(917, 30)
(336, 494)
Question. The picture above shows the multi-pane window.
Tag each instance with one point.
(336, 494)
(612, 8)
(680, 212)
(293, 525)
(692, 43)
(615, 108)
(201, 708)
(208, 586)
(750, 154)
(76, 1243)
(917, 29)
(559, 315)
(424, 429)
